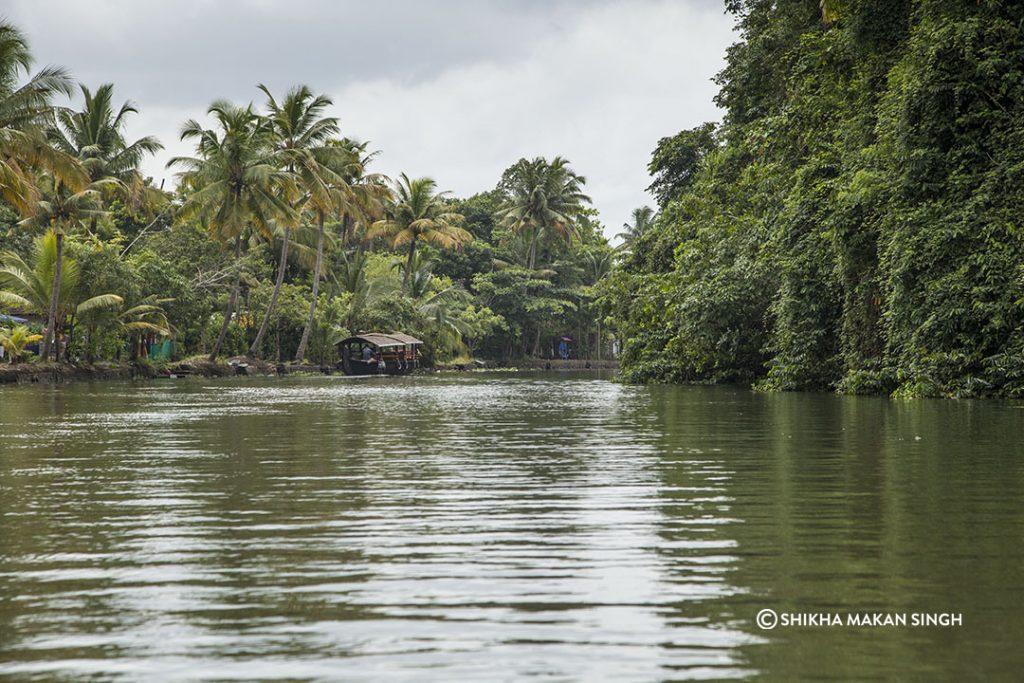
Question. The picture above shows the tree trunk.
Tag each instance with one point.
(408, 266)
(531, 253)
(277, 340)
(231, 302)
(346, 230)
(273, 297)
(300, 354)
(51, 318)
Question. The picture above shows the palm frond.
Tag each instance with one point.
(99, 302)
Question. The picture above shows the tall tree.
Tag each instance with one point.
(419, 212)
(543, 201)
(25, 111)
(95, 136)
(369, 190)
(677, 159)
(234, 183)
(300, 136)
(643, 218)
(353, 194)
(61, 209)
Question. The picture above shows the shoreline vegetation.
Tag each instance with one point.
(279, 240)
(853, 224)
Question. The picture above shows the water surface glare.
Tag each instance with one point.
(489, 527)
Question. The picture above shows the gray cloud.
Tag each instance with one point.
(456, 89)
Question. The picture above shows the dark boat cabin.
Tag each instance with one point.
(377, 353)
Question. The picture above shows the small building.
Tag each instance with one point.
(379, 353)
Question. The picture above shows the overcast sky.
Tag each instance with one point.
(454, 89)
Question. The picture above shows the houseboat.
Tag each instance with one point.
(379, 353)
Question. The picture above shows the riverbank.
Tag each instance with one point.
(64, 373)
(581, 364)
(532, 364)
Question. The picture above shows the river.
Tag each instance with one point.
(502, 527)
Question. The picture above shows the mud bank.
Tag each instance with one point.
(63, 373)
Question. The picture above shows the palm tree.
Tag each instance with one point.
(235, 183)
(326, 178)
(643, 219)
(419, 212)
(420, 275)
(15, 339)
(61, 208)
(350, 274)
(145, 317)
(300, 133)
(543, 200)
(597, 264)
(28, 286)
(439, 306)
(95, 136)
(369, 190)
(359, 200)
(25, 111)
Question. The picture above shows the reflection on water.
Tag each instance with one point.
(489, 527)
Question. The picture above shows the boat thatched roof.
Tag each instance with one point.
(383, 340)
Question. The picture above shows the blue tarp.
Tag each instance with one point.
(11, 318)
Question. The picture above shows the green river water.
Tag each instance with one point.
(491, 527)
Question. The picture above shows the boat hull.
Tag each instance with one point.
(361, 367)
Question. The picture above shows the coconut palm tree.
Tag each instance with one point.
(300, 133)
(145, 317)
(369, 190)
(417, 213)
(543, 201)
(234, 183)
(353, 203)
(438, 307)
(358, 202)
(25, 111)
(643, 219)
(95, 136)
(420, 275)
(61, 209)
(350, 273)
(27, 286)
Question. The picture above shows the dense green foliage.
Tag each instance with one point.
(855, 221)
(279, 240)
